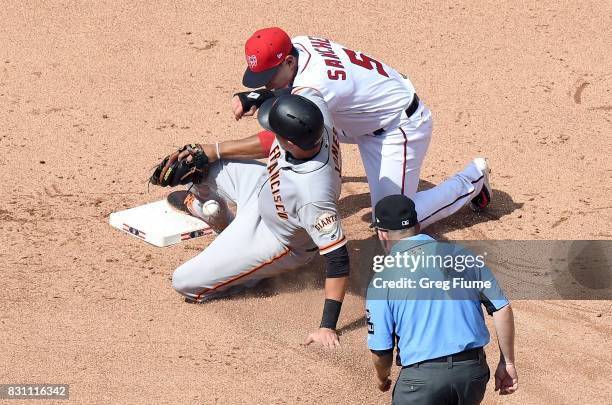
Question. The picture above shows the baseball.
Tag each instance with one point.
(211, 208)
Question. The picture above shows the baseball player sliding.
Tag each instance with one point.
(372, 105)
(286, 209)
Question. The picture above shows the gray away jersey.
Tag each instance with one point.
(298, 202)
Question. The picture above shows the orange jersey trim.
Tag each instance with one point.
(333, 246)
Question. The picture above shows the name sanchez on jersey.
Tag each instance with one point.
(323, 47)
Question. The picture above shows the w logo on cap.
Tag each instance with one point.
(252, 61)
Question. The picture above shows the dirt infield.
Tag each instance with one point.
(91, 95)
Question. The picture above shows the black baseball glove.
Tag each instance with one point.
(187, 165)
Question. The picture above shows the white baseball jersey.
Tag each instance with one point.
(297, 202)
(361, 93)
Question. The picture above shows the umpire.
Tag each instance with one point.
(439, 332)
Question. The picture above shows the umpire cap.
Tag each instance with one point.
(394, 213)
(294, 118)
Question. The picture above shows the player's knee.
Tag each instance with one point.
(181, 282)
(190, 281)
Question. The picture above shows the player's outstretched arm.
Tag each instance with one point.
(252, 147)
(336, 284)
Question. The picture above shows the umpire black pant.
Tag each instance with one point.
(442, 382)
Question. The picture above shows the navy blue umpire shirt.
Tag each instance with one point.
(423, 318)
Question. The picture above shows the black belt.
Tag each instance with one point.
(470, 354)
(414, 105)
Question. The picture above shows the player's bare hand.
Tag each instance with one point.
(237, 109)
(325, 337)
(506, 378)
(384, 385)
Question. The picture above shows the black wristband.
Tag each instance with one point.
(331, 313)
(256, 98)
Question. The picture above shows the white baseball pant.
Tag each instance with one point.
(393, 163)
(246, 250)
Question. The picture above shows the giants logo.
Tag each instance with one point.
(274, 177)
(326, 223)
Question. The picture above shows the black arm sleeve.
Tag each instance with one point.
(337, 263)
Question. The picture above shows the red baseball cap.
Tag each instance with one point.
(265, 50)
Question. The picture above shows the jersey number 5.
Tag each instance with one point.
(365, 61)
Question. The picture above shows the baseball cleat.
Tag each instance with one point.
(209, 211)
(177, 200)
(483, 199)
